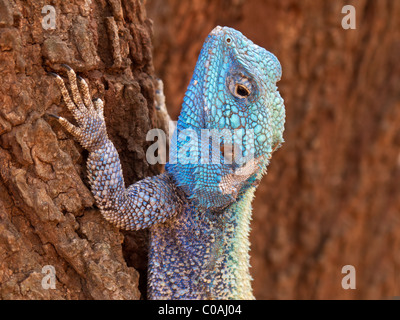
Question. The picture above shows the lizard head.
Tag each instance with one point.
(233, 105)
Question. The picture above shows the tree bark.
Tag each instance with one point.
(331, 196)
(47, 212)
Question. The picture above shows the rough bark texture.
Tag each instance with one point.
(331, 197)
(47, 213)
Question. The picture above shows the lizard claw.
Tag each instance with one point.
(65, 66)
(54, 75)
(53, 116)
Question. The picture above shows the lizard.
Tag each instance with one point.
(199, 209)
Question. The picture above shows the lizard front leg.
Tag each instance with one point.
(143, 204)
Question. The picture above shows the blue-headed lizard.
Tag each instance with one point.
(199, 210)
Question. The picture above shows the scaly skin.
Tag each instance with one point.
(199, 210)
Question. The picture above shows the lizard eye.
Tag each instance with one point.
(240, 86)
(241, 91)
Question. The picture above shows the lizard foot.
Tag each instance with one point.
(91, 130)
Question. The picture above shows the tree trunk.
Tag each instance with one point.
(331, 197)
(47, 212)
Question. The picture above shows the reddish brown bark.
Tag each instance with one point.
(47, 213)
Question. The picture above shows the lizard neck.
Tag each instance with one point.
(239, 258)
(232, 245)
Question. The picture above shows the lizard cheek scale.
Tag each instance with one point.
(199, 210)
